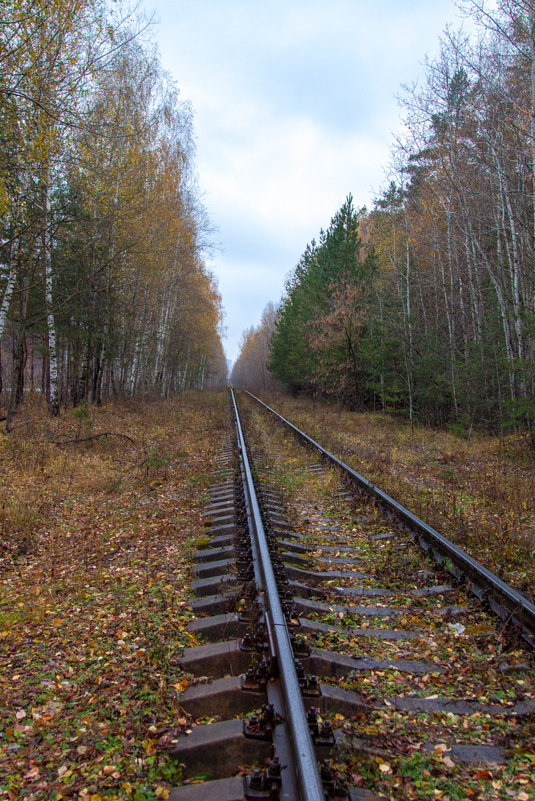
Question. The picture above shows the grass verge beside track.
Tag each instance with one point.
(99, 511)
(478, 493)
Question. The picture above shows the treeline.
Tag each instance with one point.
(103, 288)
(426, 304)
(251, 368)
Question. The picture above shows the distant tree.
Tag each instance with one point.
(251, 367)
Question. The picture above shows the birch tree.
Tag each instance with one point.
(101, 255)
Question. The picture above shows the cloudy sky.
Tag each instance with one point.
(295, 106)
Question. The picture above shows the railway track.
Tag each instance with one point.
(341, 660)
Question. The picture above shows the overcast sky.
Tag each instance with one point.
(294, 107)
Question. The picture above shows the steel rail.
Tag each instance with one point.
(508, 603)
(306, 766)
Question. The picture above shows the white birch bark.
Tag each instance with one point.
(407, 313)
(51, 325)
(446, 285)
(514, 266)
(8, 291)
(532, 119)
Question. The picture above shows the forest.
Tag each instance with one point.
(424, 304)
(104, 289)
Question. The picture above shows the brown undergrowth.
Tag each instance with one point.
(99, 510)
(479, 493)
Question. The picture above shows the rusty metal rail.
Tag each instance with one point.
(304, 764)
(284, 741)
(506, 602)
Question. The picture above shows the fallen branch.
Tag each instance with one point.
(94, 436)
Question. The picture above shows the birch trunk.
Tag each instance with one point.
(8, 291)
(532, 123)
(446, 285)
(407, 310)
(50, 322)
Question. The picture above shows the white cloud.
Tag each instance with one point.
(293, 173)
(294, 108)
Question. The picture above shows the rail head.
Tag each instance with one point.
(507, 602)
(306, 766)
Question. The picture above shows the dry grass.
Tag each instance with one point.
(479, 493)
(96, 538)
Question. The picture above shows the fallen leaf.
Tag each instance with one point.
(483, 774)
(32, 774)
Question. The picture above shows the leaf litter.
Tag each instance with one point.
(94, 595)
